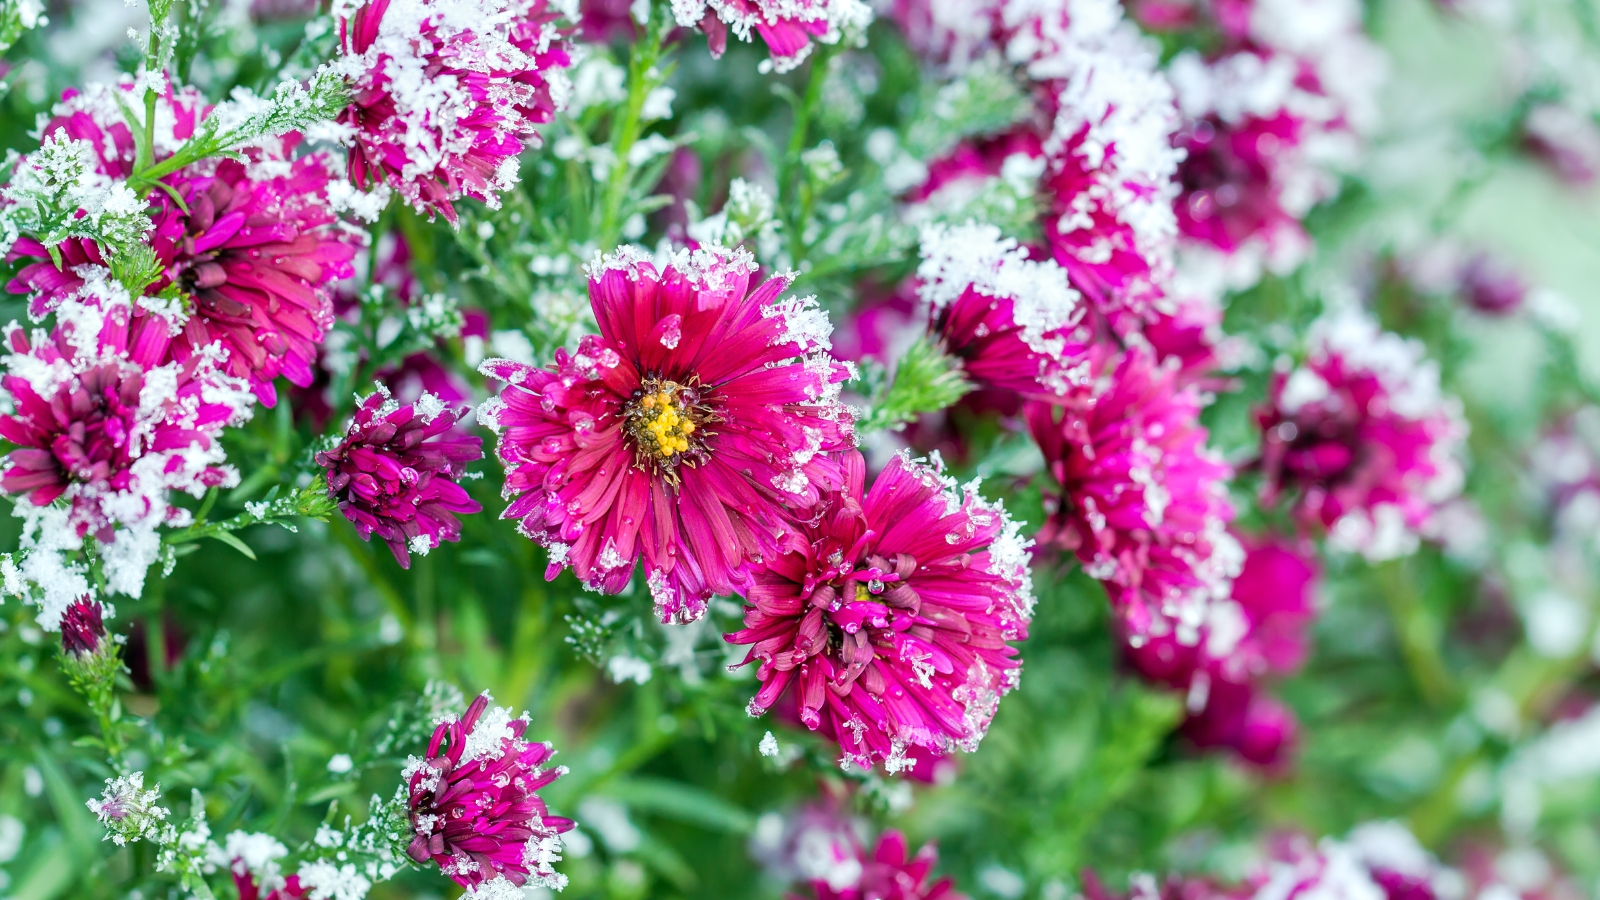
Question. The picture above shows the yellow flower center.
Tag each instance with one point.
(665, 420)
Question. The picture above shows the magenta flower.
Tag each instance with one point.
(1257, 632)
(1141, 500)
(687, 432)
(788, 27)
(891, 617)
(1566, 140)
(1362, 438)
(891, 873)
(395, 472)
(256, 251)
(1109, 161)
(475, 810)
(949, 32)
(102, 422)
(1379, 860)
(447, 95)
(1013, 323)
(83, 627)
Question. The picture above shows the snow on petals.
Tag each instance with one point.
(891, 620)
(105, 425)
(475, 809)
(1013, 322)
(447, 95)
(1361, 437)
(788, 27)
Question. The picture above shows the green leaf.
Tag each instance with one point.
(682, 802)
(233, 541)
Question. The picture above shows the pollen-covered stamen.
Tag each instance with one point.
(666, 422)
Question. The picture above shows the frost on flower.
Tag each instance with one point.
(1360, 438)
(1258, 630)
(448, 94)
(687, 432)
(127, 810)
(474, 806)
(890, 620)
(1110, 159)
(395, 473)
(1012, 322)
(1264, 142)
(1142, 502)
(786, 26)
(106, 424)
(253, 243)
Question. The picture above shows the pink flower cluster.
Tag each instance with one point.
(888, 872)
(447, 95)
(1014, 324)
(475, 807)
(891, 619)
(691, 432)
(255, 244)
(108, 422)
(1141, 501)
(1361, 438)
(1256, 632)
(788, 27)
(394, 474)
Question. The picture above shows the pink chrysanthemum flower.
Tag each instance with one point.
(788, 27)
(1110, 160)
(395, 472)
(1013, 323)
(103, 424)
(1379, 860)
(1256, 632)
(475, 810)
(891, 619)
(890, 872)
(686, 432)
(1141, 500)
(447, 95)
(255, 246)
(1362, 437)
(1263, 142)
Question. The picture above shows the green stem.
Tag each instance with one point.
(642, 79)
(789, 181)
(1418, 634)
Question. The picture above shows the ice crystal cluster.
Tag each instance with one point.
(1224, 365)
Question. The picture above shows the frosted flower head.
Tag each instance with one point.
(1012, 322)
(1376, 861)
(787, 27)
(83, 628)
(890, 622)
(1110, 159)
(1360, 438)
(475, 810)
(447, 95)
(686, 433)
(103, 423)
(1256, 632)
(253, 250)
(1141, 502)
(127, 810)
(890, 872)
(395, 473)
